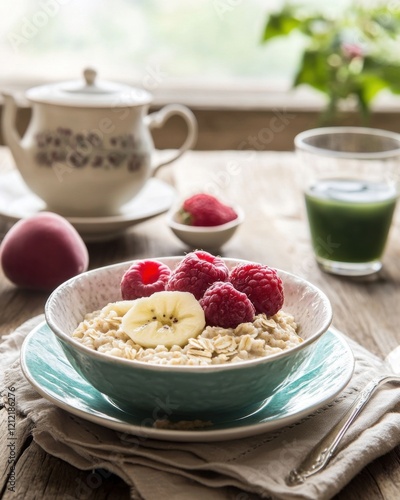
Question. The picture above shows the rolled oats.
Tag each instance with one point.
(101, 331)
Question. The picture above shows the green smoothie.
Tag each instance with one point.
(350, 219)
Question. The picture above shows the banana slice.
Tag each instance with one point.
(164, 318)
(121, 307)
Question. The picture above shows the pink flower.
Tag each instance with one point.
(351, 50)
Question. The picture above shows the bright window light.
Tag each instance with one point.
(153, 43)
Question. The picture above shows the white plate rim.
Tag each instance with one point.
(91, 227)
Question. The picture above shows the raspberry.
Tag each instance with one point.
(205, 210)
(196, 272)
(225, 306)
(261, 284)
(144, 278)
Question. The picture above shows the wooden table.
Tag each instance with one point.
(275, 233)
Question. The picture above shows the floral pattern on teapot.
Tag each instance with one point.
(80, 150)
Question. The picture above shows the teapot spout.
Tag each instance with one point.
(11, 136)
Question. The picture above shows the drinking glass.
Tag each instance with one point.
(351, 183)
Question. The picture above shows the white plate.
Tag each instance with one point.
(17, 201)
(50, 373)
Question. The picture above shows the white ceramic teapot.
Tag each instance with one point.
(88, 148)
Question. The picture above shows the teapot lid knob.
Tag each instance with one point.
(90, 75)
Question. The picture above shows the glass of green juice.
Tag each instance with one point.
(351, 179)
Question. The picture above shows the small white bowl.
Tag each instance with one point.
(204, 237)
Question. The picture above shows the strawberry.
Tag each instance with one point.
(205, 210)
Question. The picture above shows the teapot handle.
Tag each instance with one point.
(157, 120)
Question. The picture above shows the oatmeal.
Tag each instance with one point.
(263, 337)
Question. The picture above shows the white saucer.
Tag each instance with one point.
(16, 202)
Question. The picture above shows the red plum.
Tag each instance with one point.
(42, 251)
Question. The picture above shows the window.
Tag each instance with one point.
(155, 43)
(212, 47)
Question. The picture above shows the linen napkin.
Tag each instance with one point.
(243, 469)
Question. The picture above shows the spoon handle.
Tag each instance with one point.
(321, 454)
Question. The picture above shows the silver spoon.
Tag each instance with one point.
(320, 455)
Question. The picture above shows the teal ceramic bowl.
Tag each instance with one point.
(189, 391)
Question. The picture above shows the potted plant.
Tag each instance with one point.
(350, 56)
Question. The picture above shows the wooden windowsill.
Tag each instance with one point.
(249, 95)
(242, 118)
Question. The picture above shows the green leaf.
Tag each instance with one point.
(314, 71)
(389, 22)
(386, 72)
(280, 24)
(369, 87)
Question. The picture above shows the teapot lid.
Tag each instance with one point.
(89, 93)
